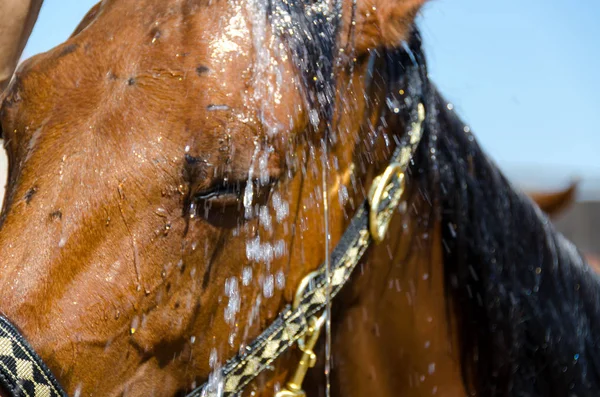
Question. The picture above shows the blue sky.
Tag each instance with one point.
(525, 74)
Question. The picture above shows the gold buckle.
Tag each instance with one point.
(379, 219)
(306, 344)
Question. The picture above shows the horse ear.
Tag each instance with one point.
(382, 23)
(87, 19)
(555, 203)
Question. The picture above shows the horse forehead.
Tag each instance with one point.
(169, 40)
(171, 35)
(147, 72)
(180, 12)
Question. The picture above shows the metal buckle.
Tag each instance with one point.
(306, 344)
(379, 218)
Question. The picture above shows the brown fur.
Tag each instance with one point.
(112, 281)
(382, 22)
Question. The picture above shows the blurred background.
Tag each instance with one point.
(523, 74)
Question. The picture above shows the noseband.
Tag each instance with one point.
(23, 373)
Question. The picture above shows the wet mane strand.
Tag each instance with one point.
(311, 34)
(526, 307)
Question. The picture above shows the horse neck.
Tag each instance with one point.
(524, 302)
(391, 335)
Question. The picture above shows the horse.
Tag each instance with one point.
(176, 173)
(556, 202)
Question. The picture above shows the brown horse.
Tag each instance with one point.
(554, 203)
(168, 173)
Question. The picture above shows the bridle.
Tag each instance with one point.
(23, 373)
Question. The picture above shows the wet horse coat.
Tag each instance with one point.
(164, 202)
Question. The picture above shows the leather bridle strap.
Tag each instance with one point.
(291, 325)
(22, 371)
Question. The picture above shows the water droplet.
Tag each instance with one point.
(265, 218)
(343, 195)
(314, 118)
(215, 384)
(134, 325)
(213, 359)
(431, 368)
(282, 208)
(452, 229)
(280, 280)
(268, 286)
(233, 305)
(248, 199)
(246, 276)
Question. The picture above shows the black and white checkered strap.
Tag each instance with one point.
(22, 371)
(291, 325)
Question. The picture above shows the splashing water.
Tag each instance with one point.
(268, 74)
(249, 191)
(215, 384)
(327, 274)
(233, 306)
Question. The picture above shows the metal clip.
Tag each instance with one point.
(306, 344)
(293, 387)
(379, 219)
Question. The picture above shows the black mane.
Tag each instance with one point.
(526, 305)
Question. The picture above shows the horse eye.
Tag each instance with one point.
(222, 190)
(228, 192)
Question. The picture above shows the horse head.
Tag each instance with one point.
(165, 184)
